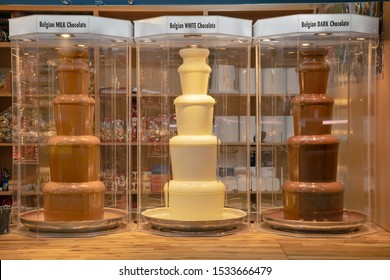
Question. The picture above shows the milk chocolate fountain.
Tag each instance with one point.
(312, 193)
(75, 192)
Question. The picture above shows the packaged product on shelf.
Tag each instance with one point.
(5, 81)
(4, 29)
(226, 128)
(6, 126)
(5, 216)
(119, 130)
(133, 124)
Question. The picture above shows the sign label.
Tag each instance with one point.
(324, 23)
(182, 25)
(62, 24)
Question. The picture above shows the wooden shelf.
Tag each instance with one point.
(5, 44)
(246, 11)
(29, 193)
(6, 192)
(112, 143)
(54, 9)
(5, 144)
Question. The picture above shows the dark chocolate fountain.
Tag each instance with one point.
(312, 193)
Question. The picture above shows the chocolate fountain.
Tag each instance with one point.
(194, 193)
(312, 193)
(75, 192)
(194, 198)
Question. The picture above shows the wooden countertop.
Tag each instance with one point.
(251, 245)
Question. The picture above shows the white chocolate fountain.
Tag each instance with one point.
(194, 194)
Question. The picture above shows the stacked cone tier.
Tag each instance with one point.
(194, 194)
(313, 193)
(75, 192)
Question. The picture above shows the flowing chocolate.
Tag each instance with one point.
(312, 193)
(75, 192)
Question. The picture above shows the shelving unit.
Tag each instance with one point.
(252, 12)
(245, 246)
(5, 104)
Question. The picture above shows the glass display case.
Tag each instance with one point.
(71, 112)
(317, 90)
(194, 136)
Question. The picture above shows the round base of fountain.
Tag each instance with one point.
(351, 222)
(159, 221)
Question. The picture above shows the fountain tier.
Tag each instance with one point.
(195, 200)
(74, 201)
